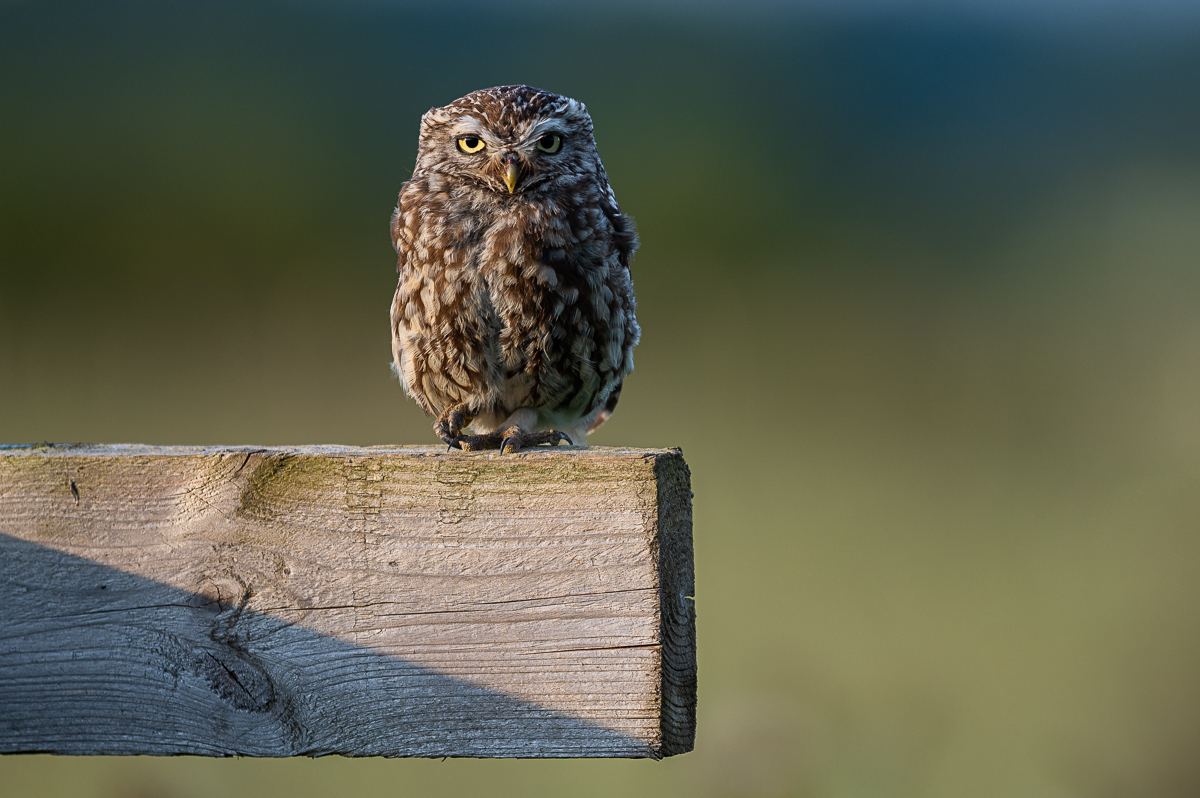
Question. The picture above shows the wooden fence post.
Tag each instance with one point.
(393, 601)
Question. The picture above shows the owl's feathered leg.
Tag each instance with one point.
(450, 423)
(511, 436)
(478, 443)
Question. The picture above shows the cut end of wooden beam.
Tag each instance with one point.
(379, 601)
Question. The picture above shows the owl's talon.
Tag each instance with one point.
(456, 443)
(450, 423)
(514, 439)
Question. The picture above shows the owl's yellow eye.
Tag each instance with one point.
(551, 143)
(471, 144)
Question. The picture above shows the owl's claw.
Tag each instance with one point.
(516, 439)
(450, 423)
(510, 441)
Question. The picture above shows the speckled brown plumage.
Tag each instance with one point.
(514, 311)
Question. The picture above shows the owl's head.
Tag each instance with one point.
(509, 140)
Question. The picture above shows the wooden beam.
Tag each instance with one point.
(384, 601)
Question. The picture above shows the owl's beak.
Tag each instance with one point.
(511, 171)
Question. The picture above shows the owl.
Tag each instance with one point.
(514, 312)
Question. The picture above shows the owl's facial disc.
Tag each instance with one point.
(515, 159)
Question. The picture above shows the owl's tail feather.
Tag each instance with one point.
(609, 407)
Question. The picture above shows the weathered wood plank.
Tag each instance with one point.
(362, 601)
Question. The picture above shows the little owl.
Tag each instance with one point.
(514, 313)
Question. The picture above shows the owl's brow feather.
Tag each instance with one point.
(543, 126)
(539, 126)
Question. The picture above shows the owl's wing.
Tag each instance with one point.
(624, 235)
(399, 242)
(625, 241)
(624, 232)
(403, 247)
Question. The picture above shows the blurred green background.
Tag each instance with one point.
(920, 291)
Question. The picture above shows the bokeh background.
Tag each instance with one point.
(920, 291)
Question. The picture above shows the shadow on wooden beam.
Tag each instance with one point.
(102, 662)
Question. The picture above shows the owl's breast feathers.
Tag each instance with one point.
(522, 301)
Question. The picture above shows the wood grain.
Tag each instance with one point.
(396, 601)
